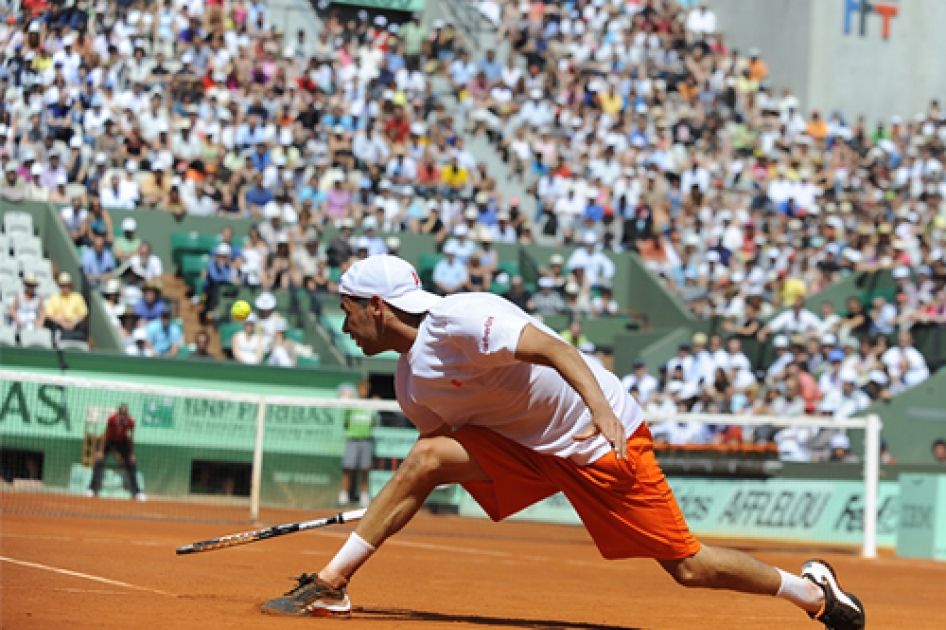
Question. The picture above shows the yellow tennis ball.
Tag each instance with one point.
(240, 310)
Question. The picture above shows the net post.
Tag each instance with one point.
(871, 483)
(257, 472)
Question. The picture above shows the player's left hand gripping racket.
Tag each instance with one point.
(245, 538)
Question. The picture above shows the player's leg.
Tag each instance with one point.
(720, 568)
(816, 591)
(432, 461)
(98, 470)
(131, 468)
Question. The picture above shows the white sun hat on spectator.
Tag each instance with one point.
(222, 249)
(272, 211)
(901, 272)
(390, 278)
(140, 334)
(848, 375)
(780, 341)
(129, 224)
(265, 301)
(75, 141)
(460, 230)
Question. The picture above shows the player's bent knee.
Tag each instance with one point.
(690, 573)
(423, 462)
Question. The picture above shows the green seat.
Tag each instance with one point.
(184, 352)
(425, 268)
(308, 362)
(192, 265)
(511, 267)
(296, 334)
(498, 287)
(335, 274)
(226, 334)
(191, 243)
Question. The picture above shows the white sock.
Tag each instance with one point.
(800, 592)
(354, 553)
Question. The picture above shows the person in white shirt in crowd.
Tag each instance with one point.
(503, 231)
(703, 371)
(640, 383)
(830, 380)
(114, 196)
(596, 265)
(736, 359)
(783, 357)
(905, 362)
(701, 20)
(268, 319)
(145, 264)
(795, 321)
(247, 344)
(450, 274)
(281, 351)
(604, 304)
(847, 401)
(139, 346)
(461, 245)
(685, 361)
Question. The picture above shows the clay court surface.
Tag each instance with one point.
(441, 572)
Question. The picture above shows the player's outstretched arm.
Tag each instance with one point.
(540, 348)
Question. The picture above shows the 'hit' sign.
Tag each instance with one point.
(860, 9)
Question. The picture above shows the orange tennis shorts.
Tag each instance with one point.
(626, 505)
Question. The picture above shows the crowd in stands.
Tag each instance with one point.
(633, 126)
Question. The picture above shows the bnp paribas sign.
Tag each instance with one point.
(857, 14)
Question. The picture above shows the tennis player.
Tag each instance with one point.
(513, 413)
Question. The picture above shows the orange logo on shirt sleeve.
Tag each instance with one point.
(416, 279)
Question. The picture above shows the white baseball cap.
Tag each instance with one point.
(266, 301)
(129, 225)
(392, 279)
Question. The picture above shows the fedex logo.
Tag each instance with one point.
(863, 8)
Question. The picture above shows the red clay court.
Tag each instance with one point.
(441, 572)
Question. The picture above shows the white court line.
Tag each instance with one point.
(94, 591)
(86, 576)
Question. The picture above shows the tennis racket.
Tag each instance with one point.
(245, 538)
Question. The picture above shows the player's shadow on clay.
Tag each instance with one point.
(417, 616)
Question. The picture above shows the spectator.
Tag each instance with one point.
(797, 320)
(573, 335)
(150, 307)
(247, 344)
(519, 295)
(66, 311)
(849, 400)
(98, 263)
(282, 351)
(640, 384)
(201, 347)
(596, 266)
(218, 274)
(548, 301)
(146, 265)
(128, 244)
(904, 362)
(939, 451)
(604, 304)
(74, 218)
(450, 274)
(268, 320)
(841, 450)
(27, 310)
(139, 344)
(165, 336)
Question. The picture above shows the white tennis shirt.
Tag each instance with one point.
(462, 371)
